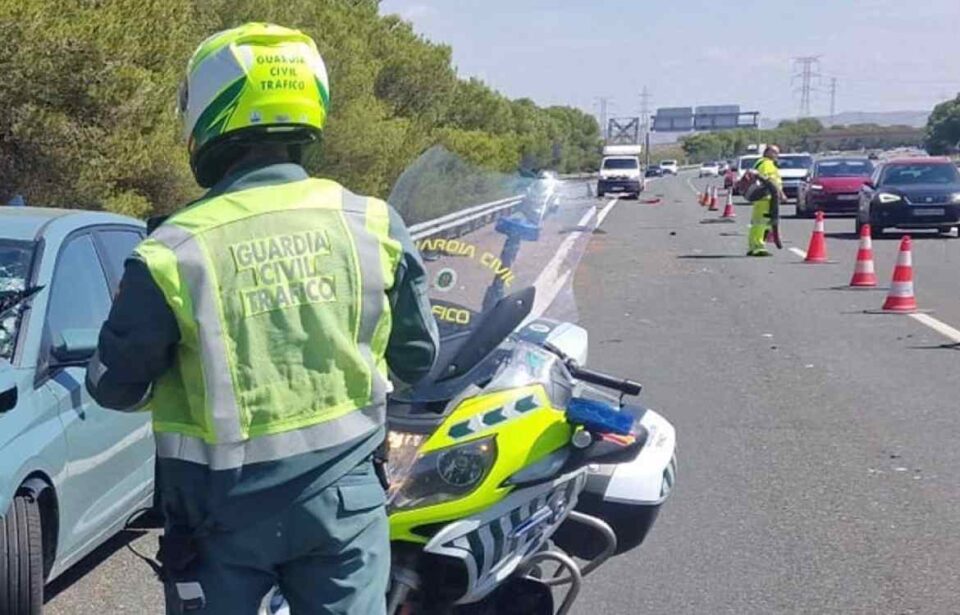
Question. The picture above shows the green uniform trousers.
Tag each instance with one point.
(329, 554)
(759, 225)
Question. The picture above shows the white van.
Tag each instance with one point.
(621, 175)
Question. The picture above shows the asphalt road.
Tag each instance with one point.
(818, 444)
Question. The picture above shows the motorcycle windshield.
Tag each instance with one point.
(485, 235)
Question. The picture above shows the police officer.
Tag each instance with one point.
(257, 325)
(767, 168)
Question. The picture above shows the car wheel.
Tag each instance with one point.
(801, 211)
(21, 559)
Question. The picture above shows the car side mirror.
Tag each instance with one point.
(75, 345)
(869, 183)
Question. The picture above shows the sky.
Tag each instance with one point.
(887, 55)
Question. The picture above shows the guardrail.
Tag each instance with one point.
(460, 222)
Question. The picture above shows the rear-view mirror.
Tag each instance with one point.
(75, 345)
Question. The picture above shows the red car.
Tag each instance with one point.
(833, 186)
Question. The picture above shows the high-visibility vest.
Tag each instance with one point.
(769, 169)
(280, 295)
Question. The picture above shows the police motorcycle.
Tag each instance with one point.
(511, 460)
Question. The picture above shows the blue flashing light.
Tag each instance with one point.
(598, 417)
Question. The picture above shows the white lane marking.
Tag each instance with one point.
(605, 211)
(551, 280)
(798, 252)
(938, 326)
(692, 187)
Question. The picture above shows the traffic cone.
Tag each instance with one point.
(704, 198)
(863, 273)
(900, 299)
(713, 200)
(817, 250)
(728, 211)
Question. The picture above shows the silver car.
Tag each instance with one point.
(71, 472)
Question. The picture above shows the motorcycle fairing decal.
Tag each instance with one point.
(481, 422)
(492, 548)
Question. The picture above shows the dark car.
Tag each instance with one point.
(833, 186)
(653, 170)
(910, 193)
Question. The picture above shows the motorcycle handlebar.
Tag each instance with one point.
(625, 386)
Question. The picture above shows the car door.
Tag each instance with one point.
(109, 453)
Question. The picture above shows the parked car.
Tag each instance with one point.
(709, 169)
(723, 166)
(744, 163)
(71, 472)
(653, 170)
(833, 186)
(670, 166)
(911, 193)
(794, 169)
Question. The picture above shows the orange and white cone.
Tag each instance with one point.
(863, 272)
(728, 210)
(713, 200)
(817, 250)
(703, 198)
(900, 299)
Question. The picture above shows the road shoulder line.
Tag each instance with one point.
(937, 325)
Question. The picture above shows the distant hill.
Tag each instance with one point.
(915, 119)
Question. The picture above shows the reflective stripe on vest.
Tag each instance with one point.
(279, 292)
(273, 447)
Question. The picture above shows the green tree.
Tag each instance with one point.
(943, 128)
(89, 87)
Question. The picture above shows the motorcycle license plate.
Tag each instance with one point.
(929, 211)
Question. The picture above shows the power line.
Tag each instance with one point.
(645, 109)
(833, 98)
(645, 124)
(604, 101)
(809, 67)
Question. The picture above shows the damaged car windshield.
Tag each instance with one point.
(15, 258)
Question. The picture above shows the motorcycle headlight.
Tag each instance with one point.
(444, 475)
(886, 197)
